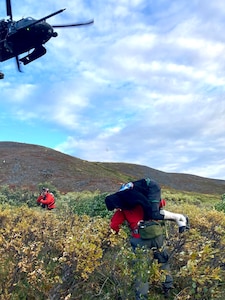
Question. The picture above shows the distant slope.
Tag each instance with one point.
(183, 182)
(27, 165)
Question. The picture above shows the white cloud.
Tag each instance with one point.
(144, 84)
(18, 93)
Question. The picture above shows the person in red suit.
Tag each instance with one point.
(128, 206)
(151, 190)
(46, 199)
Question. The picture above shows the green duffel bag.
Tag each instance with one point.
(150, 230)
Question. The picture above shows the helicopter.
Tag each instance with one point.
(27, 35)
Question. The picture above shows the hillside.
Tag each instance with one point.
(26, 165)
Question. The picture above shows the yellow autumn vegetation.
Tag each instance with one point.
(38, 247)
(61, 255)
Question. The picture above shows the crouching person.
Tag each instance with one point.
(143, 234)
(46, 199)
(152, 191)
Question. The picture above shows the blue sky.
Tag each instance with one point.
(145, 84)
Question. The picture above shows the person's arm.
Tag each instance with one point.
(48, 199)
(117, 220)
(39, 199)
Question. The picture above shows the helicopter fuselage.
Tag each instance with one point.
(22, 36)
(27, 35)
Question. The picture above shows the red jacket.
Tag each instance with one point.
(132, 216)
(47, 200)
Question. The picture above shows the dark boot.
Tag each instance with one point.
(186, 227)
(166, 293)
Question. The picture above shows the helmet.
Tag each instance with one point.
(126, 186)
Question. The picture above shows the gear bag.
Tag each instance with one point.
(150, 229)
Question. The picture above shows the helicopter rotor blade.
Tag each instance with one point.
(40, 20)
(18, 63)
(73, 25)
(47, 17)
(9, 9)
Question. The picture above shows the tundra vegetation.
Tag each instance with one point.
(70, 252)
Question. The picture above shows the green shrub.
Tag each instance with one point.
(91, 204)
(22, 196)
(17, 196)
(220, 206)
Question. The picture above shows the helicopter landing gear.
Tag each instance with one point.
(1, 75)
(38, 52)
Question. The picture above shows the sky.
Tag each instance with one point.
(145, 84)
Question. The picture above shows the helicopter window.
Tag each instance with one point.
(24, 22)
